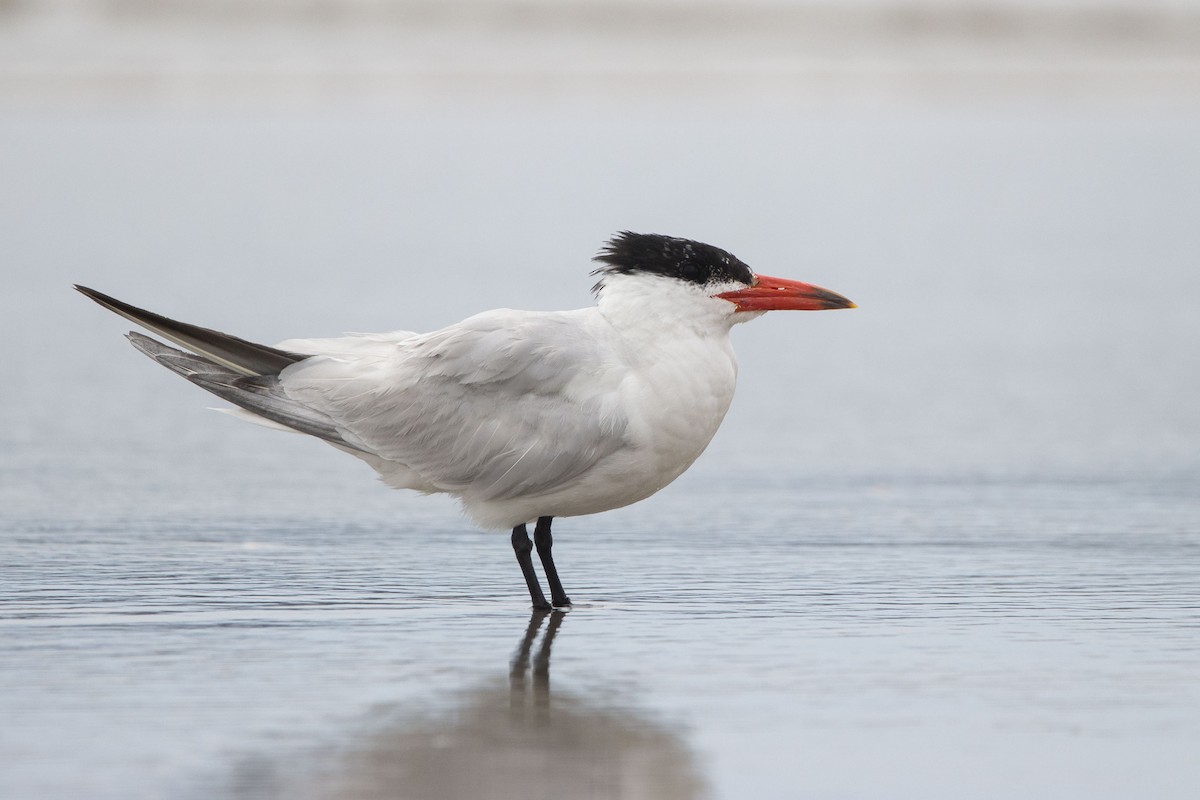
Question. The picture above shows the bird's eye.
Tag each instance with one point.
(690, 272)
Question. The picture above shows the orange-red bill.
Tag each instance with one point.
(781, 294)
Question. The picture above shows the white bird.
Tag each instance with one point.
(521, 415)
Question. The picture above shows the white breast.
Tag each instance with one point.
(674, 373)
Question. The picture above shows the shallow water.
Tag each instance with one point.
(946, 545)
(913, 637)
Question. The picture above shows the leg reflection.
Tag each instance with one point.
(521, 677)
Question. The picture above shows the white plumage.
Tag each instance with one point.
(521, 415)
(524, 414)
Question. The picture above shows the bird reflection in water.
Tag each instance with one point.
(521, 741)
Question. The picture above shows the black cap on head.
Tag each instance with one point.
(683, 259)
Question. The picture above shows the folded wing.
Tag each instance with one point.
(504, 404)
(498, 406)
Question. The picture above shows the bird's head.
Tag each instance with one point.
(706, 271)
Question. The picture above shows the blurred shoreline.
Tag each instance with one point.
(68, 54)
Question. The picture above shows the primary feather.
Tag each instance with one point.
(237, 354)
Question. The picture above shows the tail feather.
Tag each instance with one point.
(261, 395)
(239, 355)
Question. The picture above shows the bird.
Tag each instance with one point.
(523, 416)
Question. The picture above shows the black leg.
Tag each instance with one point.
(523, 547)
(543, 540)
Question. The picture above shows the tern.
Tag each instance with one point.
(523, 416)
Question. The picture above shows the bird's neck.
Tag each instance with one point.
(660, 308)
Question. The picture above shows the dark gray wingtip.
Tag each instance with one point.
(259, 394)
(179, 362)
(240, 355)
